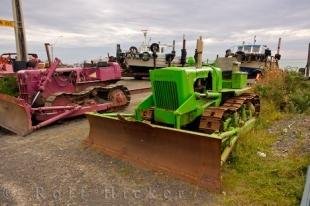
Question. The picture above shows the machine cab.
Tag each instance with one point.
(252, 49)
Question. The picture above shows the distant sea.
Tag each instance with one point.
(289, 63)
(293, 63)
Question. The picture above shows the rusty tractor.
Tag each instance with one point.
(48, 95)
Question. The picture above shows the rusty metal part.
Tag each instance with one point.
(211, 120)
(195, 157)
(140, 90)
(15, 115)
(192, 156)
(117, 94)
(19, 117)
(118, 97)
(213, 117)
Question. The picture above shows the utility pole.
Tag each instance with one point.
(279, 45)
(307, 69)
(20, 37)
(254, 41)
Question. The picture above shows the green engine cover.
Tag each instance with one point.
(239, 80)
(181, 94)
(173, 97)
(171, 87)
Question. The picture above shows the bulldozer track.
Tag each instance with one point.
(213, 118)
(90, 95)
(140, 90)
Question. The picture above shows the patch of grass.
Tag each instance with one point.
(272, 180)
(268, 114)
(8, 85)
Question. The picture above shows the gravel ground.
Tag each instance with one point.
(292, 133)
(52, 167)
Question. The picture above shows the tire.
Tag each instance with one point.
(133, 49)
(154, 47)
(146, 56)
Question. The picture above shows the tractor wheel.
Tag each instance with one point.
(133, 50)
(154, 47)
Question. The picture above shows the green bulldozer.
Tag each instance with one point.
(186, 127)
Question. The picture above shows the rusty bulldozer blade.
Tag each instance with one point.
(192, 156)
(15, 115)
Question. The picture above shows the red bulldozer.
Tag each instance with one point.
(7, 61)
(48, 95)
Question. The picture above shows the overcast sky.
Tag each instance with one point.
(92, 28)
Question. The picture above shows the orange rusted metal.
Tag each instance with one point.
(15, 115)
(192, 156)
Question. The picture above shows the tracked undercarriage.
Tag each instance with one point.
(233, 113)
(47, 96)
(117, 94)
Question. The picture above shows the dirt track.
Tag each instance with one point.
(52, 167)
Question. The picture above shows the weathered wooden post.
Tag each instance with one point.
(20, 36)
(307, 69)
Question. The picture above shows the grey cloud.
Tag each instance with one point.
(103, 23)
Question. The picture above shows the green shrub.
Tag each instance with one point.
(8, 85)
(287, 90)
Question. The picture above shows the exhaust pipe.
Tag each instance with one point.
(183, 52)
(199, 50)
(278, 55)
(307, 69)
(47, 49)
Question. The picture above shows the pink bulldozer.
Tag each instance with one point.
(48, 95)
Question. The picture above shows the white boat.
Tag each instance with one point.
(138, 61)
(254, 59)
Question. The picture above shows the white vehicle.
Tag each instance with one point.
(254, 59)
(138, 61)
